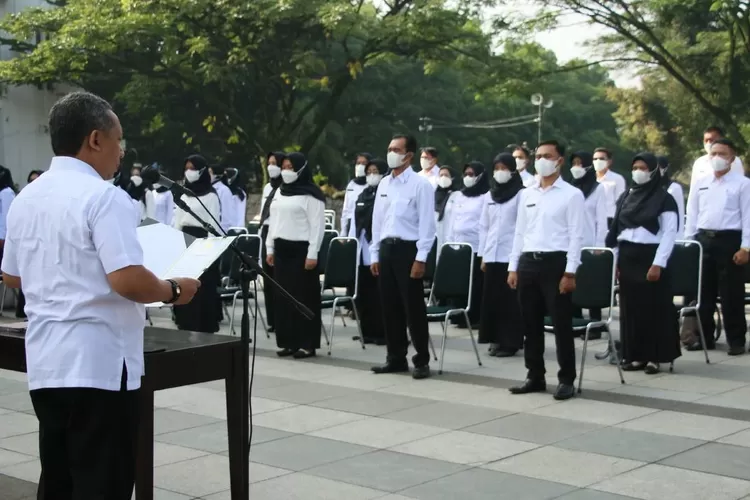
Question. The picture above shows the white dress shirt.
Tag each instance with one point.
(549, 220)
(665, 237)
(353, 190)
(719, 204)
(702, 168)
(183, 219)
(462, 226)
(431, 175)
(405, 209)
(267, 189)
(614, 186)
(226, 205)
(497, 228)
(364, 246)
(297, 218)
(675, 189)
(441, 226)
(160, 206)
(595, 218)
(66, 232)
(240, 211)
(528, 179)
(7, 196)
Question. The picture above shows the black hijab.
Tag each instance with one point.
(588, 182)
(666, 179)
(502, 193)
(235, 182)
(218, 171)
(642, 205)
(366, 202)
(136, 192)
(6, 179)
(363, 180)
(442, 194)
(202, 186)
(304, 185)
(483, 183)
(160, 189)
(275, 183)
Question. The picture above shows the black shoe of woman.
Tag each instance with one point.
(652, 369)
(286, 352)
(633, 366)
(303, 353)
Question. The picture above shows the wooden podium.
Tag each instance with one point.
(174, 358)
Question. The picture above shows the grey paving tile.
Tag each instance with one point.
(170, 420)
(304, 392)
(25, 443)
(478, 484)
(8, 458)
(18, 401)
(267, 381)
(302, 452)
(16, 489)
(585, 494)
(8, 386)
(211, 438)
(265, 434)
(28, 471)
(533, 428)
(373, 403)
(386, 470)
(635, 445)
(14, 424)
(305, 487)
(448, 415)
(714, 458)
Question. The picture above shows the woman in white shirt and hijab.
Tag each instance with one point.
(446, 186)
(236, 184)
(293, 244)
(160, 202)
(273, 162)
(353, 190)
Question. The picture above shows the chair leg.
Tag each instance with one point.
(359, 324)
(148, 317)
(333, 325)
(224, 305)
(703, 338)
(445, 340)
(231, 316)
(341, 315)
(432, 346)
(583, 356)
(2, 301)
(471, 335)
(260, 313)
(612, 348)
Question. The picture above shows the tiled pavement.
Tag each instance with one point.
(328, 429)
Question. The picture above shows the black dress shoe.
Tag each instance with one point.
(529, 386)
(500, 353)
(564, 391)
(286, 352)
(303, 353)
(391, 368)
(379, 341)
(698, 347)
(736, 350)
(420, 372)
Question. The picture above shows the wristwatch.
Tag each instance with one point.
(176, 292)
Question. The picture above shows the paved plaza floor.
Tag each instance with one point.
(328, 429)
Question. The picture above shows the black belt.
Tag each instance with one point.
(723, 233)
(396, 241)
(543, 255)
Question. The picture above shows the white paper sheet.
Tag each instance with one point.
(162, 246)
(198, 257)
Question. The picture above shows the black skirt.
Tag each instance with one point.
(648, 317)
(203, 313)
(500, 321)
(268, 293)
(294, 331)
(369, 307)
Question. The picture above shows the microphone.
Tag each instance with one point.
(151, 175)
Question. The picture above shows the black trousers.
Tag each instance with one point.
(403, 303)
(20, 305)
(87, 443)
(539, 278)
(269, 294)
(501, 315)
(722, 278)
(368, 305)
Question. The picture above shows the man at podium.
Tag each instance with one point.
(71, 244)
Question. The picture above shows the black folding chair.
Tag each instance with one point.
(248, 244)
(429, 268)
(253, 227)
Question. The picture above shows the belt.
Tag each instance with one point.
(543, 255)
(720, 233)
(396, 241)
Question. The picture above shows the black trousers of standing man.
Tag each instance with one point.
(722, 278)
(87, 442)
(539, 276)
(403, 302)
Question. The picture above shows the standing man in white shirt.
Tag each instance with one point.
(542, 266)
(403, 231)
(703, 166)
(614, 184)
(353, 190)
(523, 161)
(72, 243)
(226, 198)
(428, 162)
(718, 216)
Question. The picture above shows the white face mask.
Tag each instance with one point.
(374, 179)
(137, 180)
(156, 185)
(289, 176)
(600, 165)
(359, 170)
(502, 176)
(707, 147)
(192, 175)
(425, 163)
(521, 164)
(719, 164)
(641, 176)
(395, 160)
(445, 182)
(577, 172)
(545, 167)
(469, 181)
(274, 171)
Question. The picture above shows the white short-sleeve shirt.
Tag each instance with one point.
(66, 232)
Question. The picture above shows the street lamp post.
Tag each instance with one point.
(538, 100)
(426, 127)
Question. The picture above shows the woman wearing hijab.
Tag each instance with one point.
(368, 298)
(137, 191)
(675, 189)
(203, 314)
(353, 190)
(293, 243)
(465, 211)
(643, 232)
(160, 202)
(237, 187)
(446, 186)
(500, 321)
(273, 162)
(595, 212)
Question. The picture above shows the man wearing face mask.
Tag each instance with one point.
(522, 156)
(542, 265)
(219, 183)
(718, 216)
(403, 231)
(353, 190)
(614, 184)
(429, 166)
(703, 166)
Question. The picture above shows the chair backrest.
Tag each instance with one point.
(429, 268)
(342, 267)
(253, 227)
(323, 253)
(454, 273)
(330, 216)
(595, 279)
(248, 244)
(236, 231)
(686, 268)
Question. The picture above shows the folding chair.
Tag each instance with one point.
(342, 271)
(253, 227)
(330, 218)
(328, 236)
(249, 244)
(429, 268)
(686, 266)
(453, 279)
